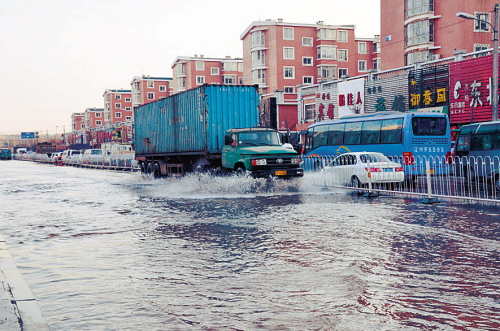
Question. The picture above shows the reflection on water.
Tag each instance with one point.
(114, 251)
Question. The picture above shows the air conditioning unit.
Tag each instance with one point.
(436, 57)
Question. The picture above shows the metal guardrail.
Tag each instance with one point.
(110, 162)
(466, 178)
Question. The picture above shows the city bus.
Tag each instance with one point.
(477, 153)
(410, 138)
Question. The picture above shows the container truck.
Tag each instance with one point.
(212, 127)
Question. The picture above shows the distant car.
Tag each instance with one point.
(70, 156)
(352, 169)
(92, 156)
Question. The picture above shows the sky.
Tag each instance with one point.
(58, 56)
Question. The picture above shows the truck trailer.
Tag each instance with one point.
(196, 129)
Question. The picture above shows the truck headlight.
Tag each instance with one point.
(295, 160)
(259, 162)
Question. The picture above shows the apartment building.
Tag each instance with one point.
(281, 56)
(77, 121)
(191, 72)
(414, 31)
(146, 89)
(117, 106)
(94, 117)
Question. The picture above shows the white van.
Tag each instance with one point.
(71, 156)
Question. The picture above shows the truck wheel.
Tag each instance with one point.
(240, 169)
(150, 168)
(143, 168)
(157, 172)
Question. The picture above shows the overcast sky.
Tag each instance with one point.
(58, 56)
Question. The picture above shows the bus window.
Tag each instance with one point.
(429, 126)
(370, 134)
(489, 128)
(336, 134)
(308, 146)
(392, 131)
(320, 136)
(352, 135)
(481, 142)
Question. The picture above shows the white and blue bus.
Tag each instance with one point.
(410, 138)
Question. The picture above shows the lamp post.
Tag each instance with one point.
(494, 83)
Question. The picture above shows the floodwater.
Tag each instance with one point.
(108, 250)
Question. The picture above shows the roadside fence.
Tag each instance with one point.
(466, 178)
(110, 162)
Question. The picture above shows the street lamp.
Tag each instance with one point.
(494, 84)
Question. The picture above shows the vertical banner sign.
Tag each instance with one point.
(470, 90)
(351, 97)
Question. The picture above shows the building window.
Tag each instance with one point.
(376, 64)
(480, 47)
(289, 89)
(327, 72)
(259, 77)
(128, 108)
(200, 65)
(342, 54)
(180, 69)
(118, 105)
(98, 122)
(288, 53)
(481, 22)
(343, 73)
(414, 57)
(118, 115)
(118, 96)
(376, 47)
(200, 80)
(361, 66)
(328, 34)
(240, 80)
(258, 58)
(97, 114)
(307, 41)
(342, 36)
(362, 48)
(229, 79)
(163, 88)
(421, 32)
(258, 38)
(151, 84)
(288, 33)
(327, 52)
(229, 66)
(151, 95)
(415, 7)
(307, 61)
(128, 99)
(240, 66)
(289, 72)
(214, 71)
(307, 80)
(181, 83)
(128, 118)
(310, 111)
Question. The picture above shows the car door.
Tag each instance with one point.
(230, 150)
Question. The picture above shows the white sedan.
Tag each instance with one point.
(355, 169)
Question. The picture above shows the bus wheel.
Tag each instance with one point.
(355, 182)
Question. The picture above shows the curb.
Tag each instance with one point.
(18, 306)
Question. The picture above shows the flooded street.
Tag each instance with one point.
(113, 251)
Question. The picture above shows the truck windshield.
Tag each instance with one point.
(259, 139)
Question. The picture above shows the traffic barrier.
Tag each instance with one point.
(466, 178)
(111, 162)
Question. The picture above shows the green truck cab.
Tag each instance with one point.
(259, 151)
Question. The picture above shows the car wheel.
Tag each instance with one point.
(469, 174)
(355, 182)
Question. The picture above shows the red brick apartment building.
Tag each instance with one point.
(146, 89)
(117, 106)
(77, 121)
(94, 117)
(415, 31)
(191, 72)
(280, 56)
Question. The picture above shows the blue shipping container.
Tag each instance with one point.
(194, 122)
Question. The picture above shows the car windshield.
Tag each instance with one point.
(259, 139)
(373, 158)
(96, 152)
